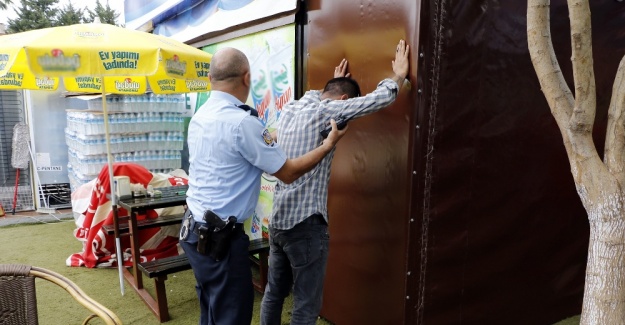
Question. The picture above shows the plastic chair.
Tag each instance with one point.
(18, 301)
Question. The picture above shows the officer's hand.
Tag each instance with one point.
(336, 134)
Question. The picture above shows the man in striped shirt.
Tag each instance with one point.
(298, 228)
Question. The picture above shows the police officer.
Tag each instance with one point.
(229, 149)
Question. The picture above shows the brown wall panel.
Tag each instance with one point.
(506, 233)
(456, 204)
(368, 204)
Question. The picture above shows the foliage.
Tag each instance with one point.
(69, 15)
(37, 14)
(4, 4)
(106, 14)
(33, 14)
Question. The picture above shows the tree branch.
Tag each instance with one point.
(545, 63)
(575, 117)
(614, 157)
(583, 117)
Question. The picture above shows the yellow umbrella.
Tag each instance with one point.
(101, 58)
(128, 60)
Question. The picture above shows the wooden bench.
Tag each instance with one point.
(160, 268)
(161, 221)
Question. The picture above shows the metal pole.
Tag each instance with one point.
(118, 245)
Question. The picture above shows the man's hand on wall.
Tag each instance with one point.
(401, 64)
(341, 70)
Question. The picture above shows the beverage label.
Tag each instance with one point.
(261, 86)
(281, 69)
(264, 208)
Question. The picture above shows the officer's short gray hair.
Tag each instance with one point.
(228, 63)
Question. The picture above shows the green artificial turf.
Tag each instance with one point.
(569, 321)
(49, 245)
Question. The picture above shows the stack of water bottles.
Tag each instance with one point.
(144, 129)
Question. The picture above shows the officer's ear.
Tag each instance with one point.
(247, 79)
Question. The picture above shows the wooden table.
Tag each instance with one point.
(136, 207)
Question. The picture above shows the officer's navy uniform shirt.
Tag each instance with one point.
(228, 151)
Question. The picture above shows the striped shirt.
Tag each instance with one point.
(298, 133)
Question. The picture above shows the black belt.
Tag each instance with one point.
(238, 227)
(194, 225)
(315, 219)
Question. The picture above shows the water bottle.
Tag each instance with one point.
(160, 102)
(151, 107)
(98, 121)
(124, 103)
(134, 103)
(133, 122)
(179, 103)
(112, 123)
(160, 138)
(179, 141)
(83, 122)
(151, 121)
(165, 121)
(151, 139)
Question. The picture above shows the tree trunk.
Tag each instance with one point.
(598, 182)
(604, 291)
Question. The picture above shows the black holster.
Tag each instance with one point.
(215, 236)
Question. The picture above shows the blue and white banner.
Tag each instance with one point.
(208, 16)
(139, 12)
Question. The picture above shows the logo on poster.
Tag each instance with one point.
(175, 66)
(127, 85)
(45, 83)
(57, 61)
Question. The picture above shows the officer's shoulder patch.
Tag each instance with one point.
(268, 138)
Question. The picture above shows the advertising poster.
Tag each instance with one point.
(258, 225)
(272, 62)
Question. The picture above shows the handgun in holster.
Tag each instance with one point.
(215, 236)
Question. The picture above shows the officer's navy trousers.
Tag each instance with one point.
(224, 287)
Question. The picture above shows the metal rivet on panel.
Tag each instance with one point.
(407, 297)
(411, 220)
(414, 172)
(408, 273)
(417, 126)
(421, 54)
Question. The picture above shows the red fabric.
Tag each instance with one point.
(98, 247)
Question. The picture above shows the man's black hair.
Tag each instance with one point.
(342, 85)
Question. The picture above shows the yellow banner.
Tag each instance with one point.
(85, 84)
(12, 81)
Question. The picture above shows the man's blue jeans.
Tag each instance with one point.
(297, 259)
